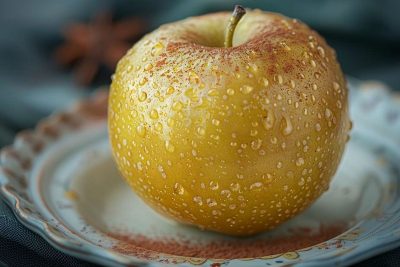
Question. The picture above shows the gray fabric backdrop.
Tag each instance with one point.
(365, 33)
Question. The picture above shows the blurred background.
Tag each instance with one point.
(53, 52)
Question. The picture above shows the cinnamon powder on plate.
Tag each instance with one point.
(138, 245)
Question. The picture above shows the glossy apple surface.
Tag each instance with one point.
(235, 140)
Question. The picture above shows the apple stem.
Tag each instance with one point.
(237, 14)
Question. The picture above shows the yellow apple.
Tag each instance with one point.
(234, 130)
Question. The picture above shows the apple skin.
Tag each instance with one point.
(235, 140)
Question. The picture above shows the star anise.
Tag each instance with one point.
(100, 43)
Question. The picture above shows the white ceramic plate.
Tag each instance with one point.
(61, 182)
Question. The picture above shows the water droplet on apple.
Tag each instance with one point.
(170, 90)
(253, 67)
(246, 89)
(211, 202)
(288, 127)
(278, 79)
(178, 189)
(256, 186)
(148, 67)
(336, 86)
(240, 176)
(299, 161)
(264, 82)
(318, 127)
(235, 187)
(216, 212)
(215, 136)
(285, 187)
(313, 64)
(194, 78)
(215, 122)
(170, 122)
(321, 51)
(328, 113)
(283, 145)
(226, 193)
(139, 166)
(155, 86)
(143, 81)
(142, 96)
(154, 114)
(141, 130)
(285, 46)
(279, 165)
(198, 200)
(158, 126)
(230, 91)
(268, 121)
(256, 144)
(313, 98)
(190, 93)
(156, 49)
(129, 68)
(267, 177)
(292, 84)
(201, 131)
(214, 185)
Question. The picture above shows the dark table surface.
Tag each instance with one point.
(365, 34)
